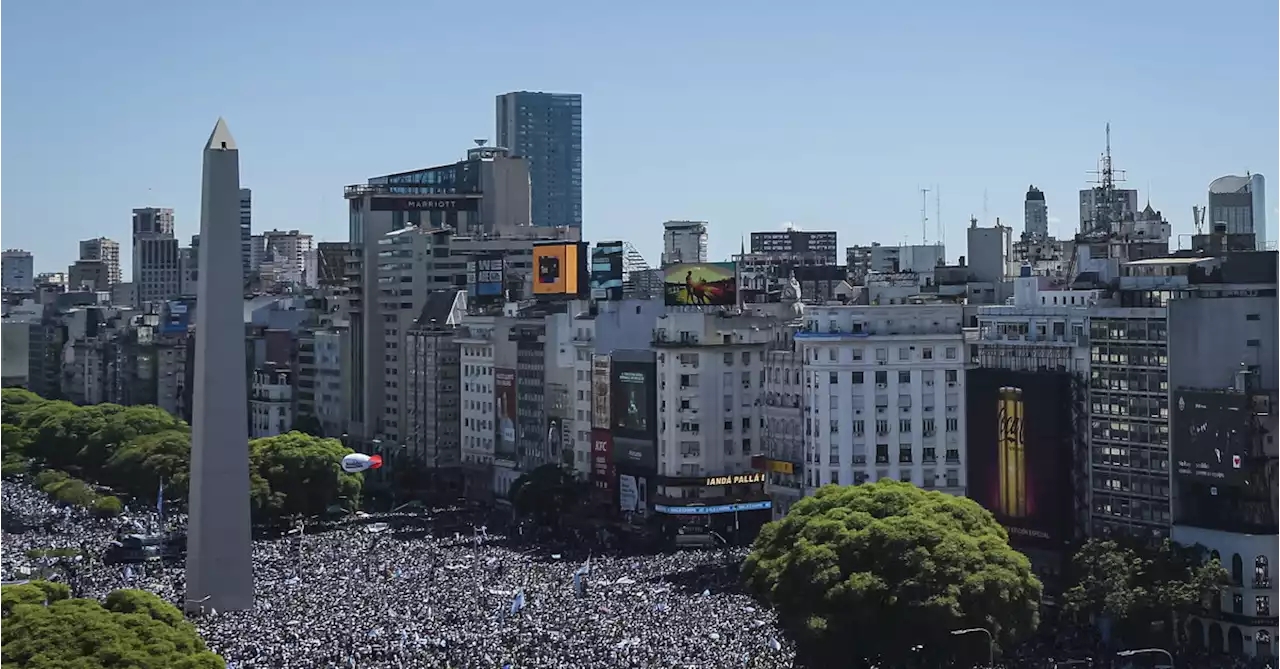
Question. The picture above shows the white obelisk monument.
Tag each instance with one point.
(219, 538)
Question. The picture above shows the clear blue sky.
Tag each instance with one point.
(746, 114)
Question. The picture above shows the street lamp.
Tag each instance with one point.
(1146, 651)
(991, 641)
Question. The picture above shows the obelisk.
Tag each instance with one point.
(219, 537)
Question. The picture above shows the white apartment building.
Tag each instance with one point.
(784, 414)
(583, 337)
(884, 395)
(270, 402)
(710, 378)
(328, 381)
(284, 256)
(1042, 329)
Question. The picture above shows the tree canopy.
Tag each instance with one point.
(871, 571)
(546, 493)
(133, 449)
(1141, 588)
(44, 628)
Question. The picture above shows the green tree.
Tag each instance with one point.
(296, 473)
(16, 402)
(870, 571)
(547, 494)
(123, 426)
(140, 465)
(133, 629)
(1147, 591)
(308, 424)
(106, 506)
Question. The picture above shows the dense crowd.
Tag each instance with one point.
(385, 591)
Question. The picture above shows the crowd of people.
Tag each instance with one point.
(396, 591)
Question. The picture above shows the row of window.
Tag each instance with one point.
(930, 479)
(905, 353)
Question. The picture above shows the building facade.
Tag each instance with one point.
(545, 129)
(18, 271)
(1036, 215)
(1240, 203)
(106, 250)
(684, 241)
(271, 401)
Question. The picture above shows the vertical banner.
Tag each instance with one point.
(601, 406)
(1013, 460)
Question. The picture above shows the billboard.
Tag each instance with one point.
(606, 271)
(554, 437)
(486, 276)
(431, 203)
(600, 392)
(177, 318)
(504, 399)
(1019, 440)
(635, 454)
(633, 494)
(602, 460)
(632, 396)
(557, 269)
(700, 284)
(1211, 435)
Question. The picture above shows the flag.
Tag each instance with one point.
(160, 501)
(579, 585)
(517, 604)
(773, 643)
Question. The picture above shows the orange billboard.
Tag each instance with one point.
(557, 269)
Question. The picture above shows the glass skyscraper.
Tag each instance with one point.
(546, 130)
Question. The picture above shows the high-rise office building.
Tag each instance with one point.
(246, 229)
(684, 241)
(1036, 212)
(157, 271)
(1240, 202)
(546, 130)
(106, 250)
(18, 270)
(801, 247)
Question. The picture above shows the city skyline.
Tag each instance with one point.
(984, 143)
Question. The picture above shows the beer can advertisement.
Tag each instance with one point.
(1019, 438)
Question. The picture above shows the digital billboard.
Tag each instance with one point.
(1019, 439)
(700, 284)
(633, 494)
(633, 393)
(486, 278)
(606, 271)
(601, 408)
(504, 399)
(177, 318)
(1210, 436)
(602, 472)
(557, 269)
(635, 454)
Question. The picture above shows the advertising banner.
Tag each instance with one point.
(633, 398)
(600, 392)
(557, 269)
(1210, 436)
(602, 473)
(554, 437)
(628, 495)
(504, 399)
(177, 318)
(1019, 446)
(486, 278)
(606, 271)
(635, 454)
(700, 284)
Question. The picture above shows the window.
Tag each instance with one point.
(728, 359)
(904, 353)
(926, 353)
(904, 376)
(746, 357)
(1237, 603)
(834, 378)
(951, 353)
(882, 354)
(928, 427)
(728, 447)
(882, 454)
(952, 376)
(882, 427)
(904, 454)
(857, 378)
(1254, 343)
(953, 425)
(834, 428)
(746, 424)
(929, 454)
(1263, 604)
(953, 455)
(1253, 317)
(859, 427)
(1237, 570)
(728, 425)
(904, 426)
(835, 477)
(1261, 572)
(882, 377)
(831, 354)
(857, 354)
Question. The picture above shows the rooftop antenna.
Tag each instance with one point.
(937, 213)
(924, 216)
(1197, 216)
(1105, 201)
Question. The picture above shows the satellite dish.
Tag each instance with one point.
(480, 142)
